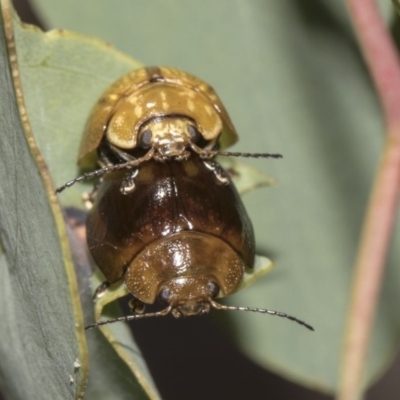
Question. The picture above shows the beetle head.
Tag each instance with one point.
(189, 295)
(169, 136)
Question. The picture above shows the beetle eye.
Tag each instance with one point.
(145, 139)
(165, 295)
(194, 133)
(213, 288)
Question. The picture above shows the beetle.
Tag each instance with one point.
(156, 113)
(180, 237)
(156, 107)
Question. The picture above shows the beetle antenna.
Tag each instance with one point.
(247, 155)
(106, 170)
(127, 318)
(262, 311)
(133, 163)
(212, 153)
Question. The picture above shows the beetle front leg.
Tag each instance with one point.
(136, 306)
(128, 184)
(221, 176)
(89, 198)
(99, 292)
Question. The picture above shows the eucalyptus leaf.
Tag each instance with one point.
(292, 78)
(60, 77)
(63, 74)
(42, 350)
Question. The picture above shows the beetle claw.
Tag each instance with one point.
(136, 306)
(128, 184)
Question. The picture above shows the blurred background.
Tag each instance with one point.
(293, 81)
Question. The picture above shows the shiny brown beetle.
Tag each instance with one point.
(156, 113)
(179, 237)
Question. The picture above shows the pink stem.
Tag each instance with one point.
(384, 66)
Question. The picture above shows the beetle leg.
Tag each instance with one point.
(211, 146)
(99, 292)
(124, 156)
(89, 198)
(219, 173)
(128, 184)
(103, 154)
(205, 153)
(136, 306)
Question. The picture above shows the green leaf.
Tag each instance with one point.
(62, 75)
(293, 81)
(43, 350)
